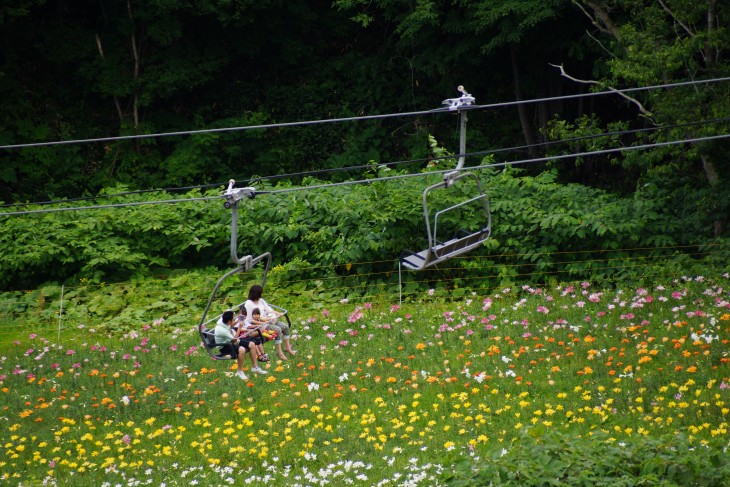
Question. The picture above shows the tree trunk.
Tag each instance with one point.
(116, 100)
(713, 179)
(135, 55)
(710, 53)
(521, 108)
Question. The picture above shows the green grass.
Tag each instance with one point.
(524, 386)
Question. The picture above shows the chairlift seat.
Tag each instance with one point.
(444, 251)
(208, 337)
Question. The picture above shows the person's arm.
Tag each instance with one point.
(268, 311)
(251, 327)
(272, 312)
(259, 324)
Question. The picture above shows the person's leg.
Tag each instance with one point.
(262, 352)
(239, 359)
(253, 352)
(285, 335)
(254, 360)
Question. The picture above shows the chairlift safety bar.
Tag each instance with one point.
(449, 180)
(482, 197)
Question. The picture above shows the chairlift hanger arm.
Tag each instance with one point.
(459, 104)
(233, 196)
(463, 241)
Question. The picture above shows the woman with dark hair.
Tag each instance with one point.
(271, 317)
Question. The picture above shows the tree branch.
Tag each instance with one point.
(135, 54)
(116, 100)
(676, 19)
(600, 44)
(602, 19)
(636, 102)
(711, 56)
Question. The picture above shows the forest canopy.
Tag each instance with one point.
(119, 72)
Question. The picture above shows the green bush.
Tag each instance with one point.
(555, 458)
(542, 230)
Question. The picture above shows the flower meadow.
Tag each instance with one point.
(378, 394)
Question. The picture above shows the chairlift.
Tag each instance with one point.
(244, 264)
(463, 240)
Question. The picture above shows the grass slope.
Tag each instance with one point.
(531, 386)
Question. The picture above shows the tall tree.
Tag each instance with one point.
(662, 41)
(501, 48)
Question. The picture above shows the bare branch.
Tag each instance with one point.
(602, 20)
(135, 55)
(636, 102)
(600, 44)
(116, 100)
(676, 19)
(710, 56)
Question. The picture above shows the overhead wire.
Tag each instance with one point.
(388, 178)
(702, 249)
(629, 262)
(708, 248)
(395, 163)
(302, 174)
(488, 151)
(358, 118)
(503, 164)
(111, 205)
(114, 195)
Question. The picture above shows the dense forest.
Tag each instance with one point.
(100, 97)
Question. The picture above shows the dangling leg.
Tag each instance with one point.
(254, 359)
(239, 360)
(285, 335)
(253, 352)
(262, 355)
(277, 341)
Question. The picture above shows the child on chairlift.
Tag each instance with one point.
(255, 332)
(256, 320)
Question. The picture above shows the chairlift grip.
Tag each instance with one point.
(233, 196)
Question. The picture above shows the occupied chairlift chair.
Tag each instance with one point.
(244, 264)
(463, 240)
